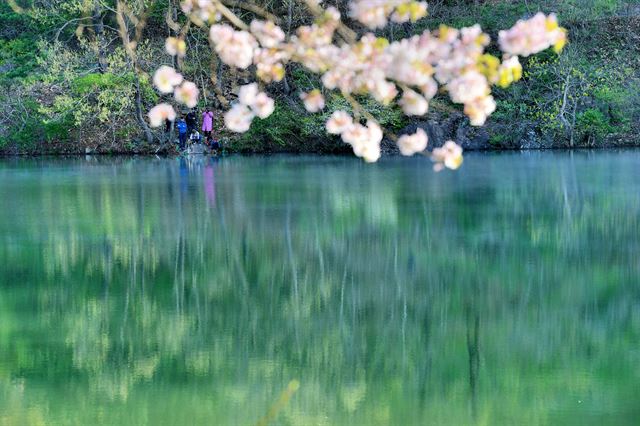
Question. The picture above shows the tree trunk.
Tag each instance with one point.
(139, 108)
(98, 29)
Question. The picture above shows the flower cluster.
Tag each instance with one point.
(234, 47)
(187, 94)
(176, 46)
(533, 36)
(251, 103)
(376, 13)
(167, 80)
(201, 11)
(449, 156)
(313, 101)
(410, 71)
(412, 144)
(365, 140)
(160, 113)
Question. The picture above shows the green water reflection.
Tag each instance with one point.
(172, 292)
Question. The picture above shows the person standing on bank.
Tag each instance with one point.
(182, 133)
(207, 124)
(192, 121)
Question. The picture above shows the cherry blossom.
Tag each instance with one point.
(533, 36)
(238, 118)
(449, 156)
(410, 11)
(339, 122)
(411, 144)
(235, 48)
(268, 34)
(166, 78)
(263, 105)
(413, 104)
(365, 140)
(159, 113)
(313, 101)
(187, 94)
(200, 11)
(175, 46)
(251, 103)
(247, 94)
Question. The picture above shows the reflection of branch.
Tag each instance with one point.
(473, 325)
(285, 396)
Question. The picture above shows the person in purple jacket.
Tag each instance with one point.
(207, 124)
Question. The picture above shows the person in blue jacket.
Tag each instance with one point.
(182, 132)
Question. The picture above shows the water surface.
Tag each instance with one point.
(171, 292)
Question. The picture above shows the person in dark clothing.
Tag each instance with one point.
(192, 121)
(182, 133)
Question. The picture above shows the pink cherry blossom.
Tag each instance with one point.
(468, 87)
(268, 34)
(534, 35)
(411, 11)
(234, 47)
(166, 78)
(313, 101)
(479, 109)
(339, 122)
(238, 118)
(159, 113)
(175, 46)
(187, 94)
(413, 104)
(247, 94)
(263, 106)
(446, 59)
(449, 156)
(371, 13)
(411, 144)
(365, 140)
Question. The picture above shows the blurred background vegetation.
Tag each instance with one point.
(66, 84)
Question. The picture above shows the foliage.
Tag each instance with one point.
(57, 74)
(282, 128)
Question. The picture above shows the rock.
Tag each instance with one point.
(456, 128)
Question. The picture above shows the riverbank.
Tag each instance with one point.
(455, 128)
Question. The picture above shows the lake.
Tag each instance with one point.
(301, 290)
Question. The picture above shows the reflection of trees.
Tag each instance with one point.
(391, 293)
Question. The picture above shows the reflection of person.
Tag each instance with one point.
(215, 146)
(210, 184)
(207, 123)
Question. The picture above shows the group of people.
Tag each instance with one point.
(187, 127)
